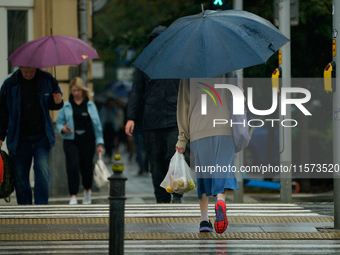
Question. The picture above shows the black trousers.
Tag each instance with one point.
(79, 159)
(160, 146)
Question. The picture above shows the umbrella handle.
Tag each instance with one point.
(202, 10)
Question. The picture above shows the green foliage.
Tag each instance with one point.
(321, 141)
(311, 40)
(126, 24)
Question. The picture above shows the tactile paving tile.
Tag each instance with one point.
(166, 220)
(175, 236)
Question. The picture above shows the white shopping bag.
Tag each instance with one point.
(179, 178)
(101, 173)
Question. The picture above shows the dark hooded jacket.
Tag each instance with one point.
(153, 102)
(10, 107)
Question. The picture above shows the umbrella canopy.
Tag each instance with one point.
(210, 44)
(51, 51)
(104, 96)
(121, 88)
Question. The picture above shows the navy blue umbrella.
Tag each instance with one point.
(210, 44)
(121, 88)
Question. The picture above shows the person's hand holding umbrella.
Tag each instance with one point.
(57, 97)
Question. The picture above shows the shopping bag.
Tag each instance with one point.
(7, 183)
(101, 173)
(241, 133)
(179, 178)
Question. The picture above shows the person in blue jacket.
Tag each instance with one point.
(79, 124)
(26, 97)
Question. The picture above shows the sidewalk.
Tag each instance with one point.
(139, 189)
(167, 221)
(260, 225)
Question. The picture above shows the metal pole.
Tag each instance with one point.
(238, 159)
(83, 35)
(238, 4)
(117, 205)
(285, 133)
(336, 123)
(238, 162)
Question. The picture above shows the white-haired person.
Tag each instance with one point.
(79, 124)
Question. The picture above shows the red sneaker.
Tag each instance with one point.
(221, 221)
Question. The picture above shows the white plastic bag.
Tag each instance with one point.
(101, 173)
(179, 178)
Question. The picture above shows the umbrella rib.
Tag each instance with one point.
(220, 41)
(51, 51)
(192, 38)
(56, 48)
(41, 44)
(260, 23)
(232, 28)
(32, 55)
(188, 46)
(83, 48)
(204, 46)
(70, 51)
(156, 53)
(224, 42)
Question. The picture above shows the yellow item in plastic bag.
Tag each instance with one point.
(169, 189)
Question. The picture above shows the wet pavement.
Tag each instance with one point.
(260, 225)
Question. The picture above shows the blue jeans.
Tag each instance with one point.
(38, 148)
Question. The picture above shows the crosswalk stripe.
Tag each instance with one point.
(179, 246)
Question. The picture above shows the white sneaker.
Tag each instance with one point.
(73, 201)
(87, 198)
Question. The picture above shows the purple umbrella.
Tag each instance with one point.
(54, 50)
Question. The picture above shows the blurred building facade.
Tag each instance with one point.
(25, 20)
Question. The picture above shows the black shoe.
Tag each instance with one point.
(176, 200)
(206, 226)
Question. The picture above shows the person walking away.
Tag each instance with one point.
(26, 97)
(79, 125)
(138, 138)
(210, 146)
(122, 139)
(158, 99)
(107, 115)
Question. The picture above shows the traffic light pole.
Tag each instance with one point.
(285, 133)
(238, 159)
(83, 35)
(336, 122)
(219, 4)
